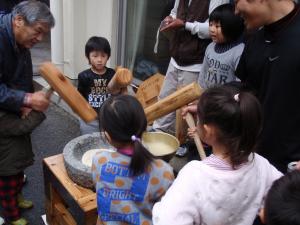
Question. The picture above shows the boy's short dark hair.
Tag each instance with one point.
(282, 205)
(97, 44)
(232, 25)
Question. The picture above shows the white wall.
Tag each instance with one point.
(81, 20)
(103, 21)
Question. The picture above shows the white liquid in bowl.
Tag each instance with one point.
(159, 148)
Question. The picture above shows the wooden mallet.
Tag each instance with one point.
(122, 78)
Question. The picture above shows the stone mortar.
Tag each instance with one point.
(73, 152)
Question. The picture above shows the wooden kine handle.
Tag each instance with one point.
(190, 121)
(49, 92)
(174, 101)
(122, 78)
(67, 91)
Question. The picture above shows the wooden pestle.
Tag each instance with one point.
(174, 101)
(120, 81)
(190, 121)
(67, 92)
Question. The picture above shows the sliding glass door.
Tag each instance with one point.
(142, 20)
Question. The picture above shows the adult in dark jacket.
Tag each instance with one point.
(19, 31)
(270, 65)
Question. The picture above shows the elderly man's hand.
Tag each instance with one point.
(25, 112)
(39, 101)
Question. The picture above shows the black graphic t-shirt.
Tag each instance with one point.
(93, 87)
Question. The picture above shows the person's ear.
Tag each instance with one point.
(19, 21)
(208, 131)
(88, 59)
(261, 215)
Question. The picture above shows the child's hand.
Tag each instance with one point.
(192, 132)
(192, 108)
(25, 112)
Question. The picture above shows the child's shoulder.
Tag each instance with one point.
(239, 45)
(85, 72)
(162, 169)
(211, 45)
(103, 157)
(258, 159)
(194, 164)
(110, 71)
(159, 165)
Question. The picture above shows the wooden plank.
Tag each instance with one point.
(66, 202)
(122, 78)
(49, 213)
(91, 218)
(180, 125)
(148, 90)
(56, 166)
(62, 215)
(67, 91)
(88, 202)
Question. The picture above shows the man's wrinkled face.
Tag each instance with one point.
(252, 11)
(29, 35)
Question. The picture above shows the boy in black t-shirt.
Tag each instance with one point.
(92, 83)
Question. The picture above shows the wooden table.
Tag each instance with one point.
(66, 202)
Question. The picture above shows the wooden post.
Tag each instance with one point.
(180, 126)
(190, 121)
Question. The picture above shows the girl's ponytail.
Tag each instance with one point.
(141, 157)
(250, 126)
(237, 115)
(124, 119)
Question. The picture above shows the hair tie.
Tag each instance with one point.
(135, 138)
(236, 97)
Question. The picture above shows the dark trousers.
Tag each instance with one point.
(10, 187)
